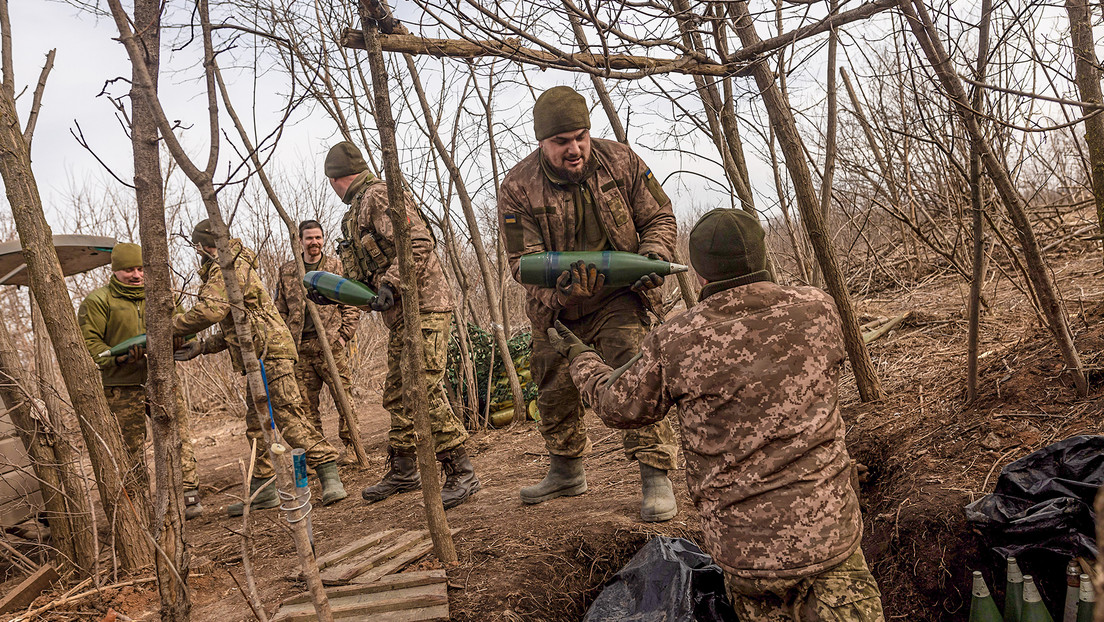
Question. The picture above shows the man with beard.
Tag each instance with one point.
(577, 193)
(339, 324)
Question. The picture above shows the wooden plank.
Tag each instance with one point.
(397, 563)
(391, 582)
(25, 593)
(360, 611)
(353, 548)
(369, 598)
(355, 566)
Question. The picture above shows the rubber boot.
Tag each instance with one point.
(659, 495)
(400, 477)
(460, 480)
(347, 457)
(193, 507)
(266, 499)
(565, 479)
(332, 490)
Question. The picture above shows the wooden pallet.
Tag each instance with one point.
(407, 597)
(374, 556)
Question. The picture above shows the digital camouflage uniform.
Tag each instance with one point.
(108, 316)
(272, 343)
(340, 322)
(753, 371)
(620, 207)
(368, 197)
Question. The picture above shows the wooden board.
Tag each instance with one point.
(353, 548)
(356, 565)
(409, 597)
(25, 593)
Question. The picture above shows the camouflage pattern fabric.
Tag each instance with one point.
(537, 215)
(846, 593)
(311, 372)
(128, 404)
(271, 338)
(448, 431)
(434, 293)
(616, 332)
(753, 370)
(482, 344)
(291, 419)
(291, 302)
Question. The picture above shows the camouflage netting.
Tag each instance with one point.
(482, 344)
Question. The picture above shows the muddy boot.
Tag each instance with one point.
(266, 499)
(401, 477)
(332, 490)
(659, 495)
(193, 507)
(347, 457)
(460, 480)
(565, 479)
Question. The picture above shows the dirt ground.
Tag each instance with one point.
(929, 455)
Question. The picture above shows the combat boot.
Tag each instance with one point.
(659, 495)
(265, 499)
(332, 490)
(460, 480)
(565, 479)
(400, 477)
(193, 507)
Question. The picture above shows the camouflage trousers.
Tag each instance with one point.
(287, 410)
(448, 431)
(845, 593)
(312, 372)
(128, 404)
(616, 332)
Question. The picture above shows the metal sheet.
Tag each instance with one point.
(78, 253)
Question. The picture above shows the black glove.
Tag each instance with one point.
(189, 351)
(580, 283)
(648, 281)
(385, 298)
(133, 355)
(318, 299)
(566, 342)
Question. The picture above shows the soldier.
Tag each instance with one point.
(753, 370)
(577, 193)
(108, 316)
(339, 322)
(368, 255)
(274, 346)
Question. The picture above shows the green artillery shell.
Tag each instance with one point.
(982, 607)
(338, 288)
(122, 347)
(1033, 608)
(1013, 592)
(1085, 600)
(1073, 587)
(621, 268)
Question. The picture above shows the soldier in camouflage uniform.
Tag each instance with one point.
(339, 322)
(368, 254)
(577, 193)
(753, 370)
(108, 316)
(274, 346)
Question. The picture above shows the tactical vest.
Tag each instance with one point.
(363, 252)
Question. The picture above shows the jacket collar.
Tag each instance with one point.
(714, 287)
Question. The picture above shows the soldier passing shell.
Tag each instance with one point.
(752, 371)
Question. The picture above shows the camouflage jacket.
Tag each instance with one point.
(434, 294)
(291, 302)
(752, 372)
(537, 215)
(271, 338)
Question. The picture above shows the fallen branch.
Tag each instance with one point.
(71, 599)
(885, 328)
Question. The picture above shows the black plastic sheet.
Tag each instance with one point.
(1043, 502)
(668, 580)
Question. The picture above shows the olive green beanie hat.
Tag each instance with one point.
(125, 256)
(559, 109)
(344, 159)
(727, 244)
(202, 233)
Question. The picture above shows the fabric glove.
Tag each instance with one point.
(318, 299)
(566, 342)
(579, 284)
(133, 355)
(189, 351)
(385, 298)
(648, 281)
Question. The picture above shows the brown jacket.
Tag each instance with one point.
(536, 215)
(291, 302)
(434, 294)
(752, 372)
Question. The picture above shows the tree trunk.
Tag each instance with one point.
(977, 205)
(161, 382)
(413, 367)
(1088, 84)
(793, 152)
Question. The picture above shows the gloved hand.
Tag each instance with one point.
(189, 351)
(318, 299)
(579, 284)
(133, 355)
(385, 298)
(648, 281)
(178, 342)
(566, 342)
